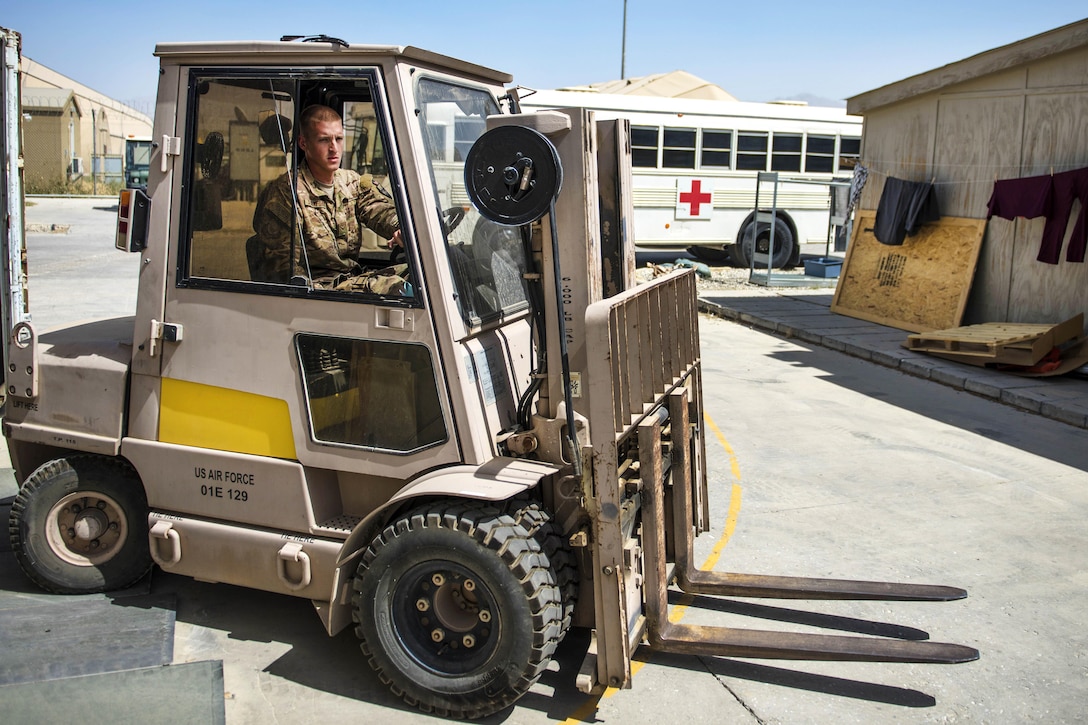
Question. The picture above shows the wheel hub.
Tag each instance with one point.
(455, 605)
(86, 529)
(446, 616)
(89, 524)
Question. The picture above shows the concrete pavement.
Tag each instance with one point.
(853, 476)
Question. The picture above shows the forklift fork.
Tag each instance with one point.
(668, 636)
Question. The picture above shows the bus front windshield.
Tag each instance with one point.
(487, 259)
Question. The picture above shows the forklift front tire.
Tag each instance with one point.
(458, 609)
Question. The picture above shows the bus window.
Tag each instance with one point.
(786, 154)
(820, 154)
(849, 152)
(678, 150)
(717, 148)
(644, 146)
(466, 129)
(752, 150)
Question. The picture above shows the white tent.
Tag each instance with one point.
(675, 84)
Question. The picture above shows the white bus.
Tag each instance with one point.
(695, 164)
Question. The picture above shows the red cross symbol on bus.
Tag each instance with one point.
(696, 197)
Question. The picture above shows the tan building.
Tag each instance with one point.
(52, 137)
(70, 129)
(1017, 111)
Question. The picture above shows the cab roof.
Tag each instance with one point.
(330, 53)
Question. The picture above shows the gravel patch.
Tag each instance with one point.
(730, 278)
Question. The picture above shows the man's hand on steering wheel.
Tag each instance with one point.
(396, 247)
(451, 217)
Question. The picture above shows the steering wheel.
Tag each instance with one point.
(396, 255)
(452, 217)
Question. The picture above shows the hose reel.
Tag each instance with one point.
(513, 175)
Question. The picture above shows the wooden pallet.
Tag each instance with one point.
(1007, 343)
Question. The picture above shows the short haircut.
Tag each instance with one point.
(315, 114)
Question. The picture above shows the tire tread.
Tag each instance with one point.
(521, 552)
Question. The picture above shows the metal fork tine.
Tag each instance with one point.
(730, 642)
(790, 587)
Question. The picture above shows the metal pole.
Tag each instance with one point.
(71, 145)
(94, 147)
(623, 50)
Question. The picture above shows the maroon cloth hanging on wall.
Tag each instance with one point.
(1068, 186)
(1049, 196)
(1029, 197)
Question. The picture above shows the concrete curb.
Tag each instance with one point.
(808, 318)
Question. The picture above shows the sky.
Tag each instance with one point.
(757, 51)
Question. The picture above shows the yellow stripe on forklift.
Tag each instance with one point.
(206, 416)
(585, 713)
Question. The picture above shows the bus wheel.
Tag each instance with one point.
(757, 238)
(458, 608)
(716, 256)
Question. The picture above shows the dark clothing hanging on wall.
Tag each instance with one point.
(1029, 197)
(904, 207)
(1068, 186)
(857, 183)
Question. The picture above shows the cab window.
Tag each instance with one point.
(260, 217)
(370, 393)
(487, 260)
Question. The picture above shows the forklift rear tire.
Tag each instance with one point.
(79, 525)
(457, 608)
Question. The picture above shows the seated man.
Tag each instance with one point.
(332, 204)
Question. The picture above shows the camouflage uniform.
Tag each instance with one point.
(330, 224)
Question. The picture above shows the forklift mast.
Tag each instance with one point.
(13, 281)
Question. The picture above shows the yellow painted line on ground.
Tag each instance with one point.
(586, 711)
(734, 497)
(733, 464)
(677, 612)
